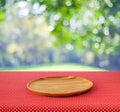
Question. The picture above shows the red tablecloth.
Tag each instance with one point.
(104, 96)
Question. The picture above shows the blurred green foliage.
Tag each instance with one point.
(2, 9)
(2, 3)
(84, 24)
(78, 25)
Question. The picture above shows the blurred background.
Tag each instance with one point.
(73, 34)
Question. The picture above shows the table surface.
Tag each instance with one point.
(15, 97)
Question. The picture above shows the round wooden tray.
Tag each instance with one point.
(60, 86)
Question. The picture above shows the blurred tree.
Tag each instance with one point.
(92, 24)
(79, 24)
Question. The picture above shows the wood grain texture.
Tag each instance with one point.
(60, 86)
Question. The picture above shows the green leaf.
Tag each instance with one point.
(2, 16)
